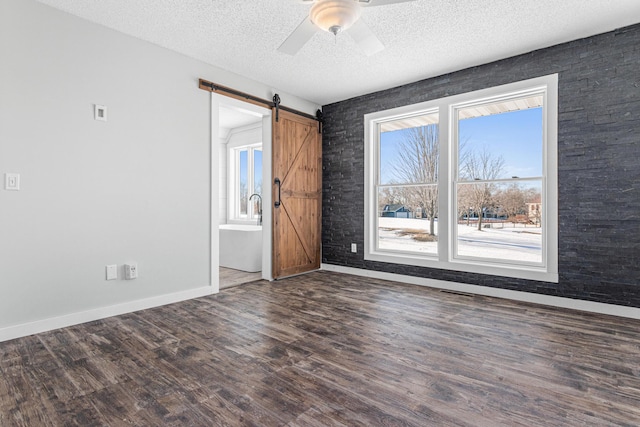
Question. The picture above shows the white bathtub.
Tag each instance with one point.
(241, 247)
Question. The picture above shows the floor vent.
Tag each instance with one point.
(464, 294)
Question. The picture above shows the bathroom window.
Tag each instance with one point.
(246, 179)
(467, 182)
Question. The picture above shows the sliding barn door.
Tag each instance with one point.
(297, 194)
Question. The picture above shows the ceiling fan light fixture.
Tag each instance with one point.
(334, 15)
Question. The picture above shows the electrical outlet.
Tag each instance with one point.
(131, 271)
(354, 248)
(112, 272)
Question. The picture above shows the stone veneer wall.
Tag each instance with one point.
(599, 166)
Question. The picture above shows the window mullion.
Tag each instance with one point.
(445, 196)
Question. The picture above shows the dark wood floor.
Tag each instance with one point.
(326, 349)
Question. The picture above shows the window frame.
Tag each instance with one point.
(234, 199)
(446, 257)
(379, 185)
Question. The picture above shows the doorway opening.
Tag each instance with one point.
(241, 196)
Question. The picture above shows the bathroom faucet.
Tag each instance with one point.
(259, 206)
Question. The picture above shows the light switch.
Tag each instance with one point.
(12, 181)
(100, 112)
(112, 272)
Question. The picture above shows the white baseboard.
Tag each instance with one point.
(574, 304)
(44, 325)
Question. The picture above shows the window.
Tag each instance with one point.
(466, 183)
(408, 184)
(246, 179)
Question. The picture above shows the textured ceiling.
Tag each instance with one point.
(423, 38)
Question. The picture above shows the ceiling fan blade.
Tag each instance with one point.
(381, 2)
(364, 38)
(299, 37)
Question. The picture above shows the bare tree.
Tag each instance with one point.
(464, 202)
(417, 162)
(480, 165)
(244, 196)
(512, 200)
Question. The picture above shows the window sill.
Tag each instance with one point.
(253, 221)
(479, 267)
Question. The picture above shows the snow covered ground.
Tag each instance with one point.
(501, 241)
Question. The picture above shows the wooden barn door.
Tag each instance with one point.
(297, 194)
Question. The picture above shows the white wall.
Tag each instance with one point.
(136, 188)
(224, 181)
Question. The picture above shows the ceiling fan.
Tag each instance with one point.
(336, 16)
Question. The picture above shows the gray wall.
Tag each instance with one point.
(136, 188)
(599, 166)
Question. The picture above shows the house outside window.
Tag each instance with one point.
(467, 182)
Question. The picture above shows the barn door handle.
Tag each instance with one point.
(278, 183)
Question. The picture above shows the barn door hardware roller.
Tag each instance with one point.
(320, 119)
(276, 104)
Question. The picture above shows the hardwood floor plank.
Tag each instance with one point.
(326, 349)
(26, 351)
(317, 417)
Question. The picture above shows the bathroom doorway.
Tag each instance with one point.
(230, 277)
(241, 135)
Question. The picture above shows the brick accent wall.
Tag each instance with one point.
(598, 157)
